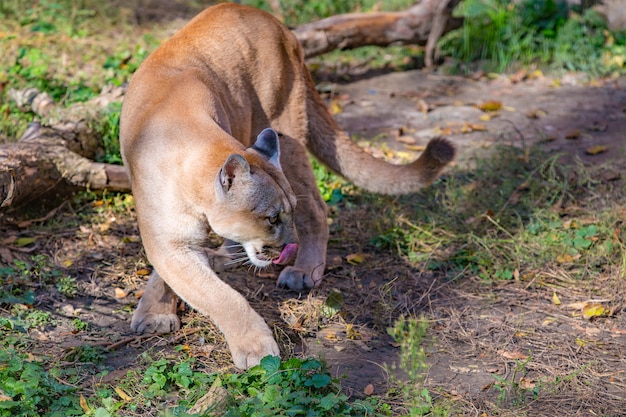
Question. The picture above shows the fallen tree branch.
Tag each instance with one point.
(58, 155)
(421, 24)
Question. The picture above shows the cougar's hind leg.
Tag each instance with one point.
(156, 312)
(308, 269)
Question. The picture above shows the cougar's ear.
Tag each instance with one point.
(235, 168)
(267, 145)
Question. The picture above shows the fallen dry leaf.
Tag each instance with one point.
(423, 106)
(490, 106)
(565, 258)
(351, 332)
(120, 293)
(573, 134)
(548, 321)
(83, 404)
(335, 106)
(355, 258)
(597, 149)
(368, 390)
(592, 310)
(526, 383)
(143, 272)
(515, 355)
(555, 299)
(122, 394)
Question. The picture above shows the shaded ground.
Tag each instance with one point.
(477, 330)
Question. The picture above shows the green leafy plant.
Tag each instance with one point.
(501, 33)
(409, 333)
(515, 390)
(329, 184)
(67, 286)
(85, 354)
(294, 387)
(79, 325)
(38, 318)
(27, 389)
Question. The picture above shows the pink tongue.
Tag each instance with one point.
(289, 251)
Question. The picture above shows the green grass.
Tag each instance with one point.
(499, 35)
(508, 216)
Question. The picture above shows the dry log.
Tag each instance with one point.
(422, 24)
(57, 154)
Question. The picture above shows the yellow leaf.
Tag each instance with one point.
(490, 106)
(592, 310)
(335, 107)
(404, 155)
(331, 335)
(565, 258)
(24, 241)
(122, 394)
(142, 272)
(355, 258)
(67, 263)
(486, 117)
(83, 404)
(555, 299)
(594, 150)
(548, 321)
(351, 332)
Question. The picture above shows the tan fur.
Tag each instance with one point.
(201, 98)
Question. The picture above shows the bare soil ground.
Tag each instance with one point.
(478, 330)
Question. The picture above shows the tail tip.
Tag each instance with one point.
(441, 149)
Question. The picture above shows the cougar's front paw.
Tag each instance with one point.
(296, 279)
(249, 350)
(154, 323)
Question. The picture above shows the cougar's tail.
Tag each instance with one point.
(339, 153)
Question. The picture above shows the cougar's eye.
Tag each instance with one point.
(273, 219)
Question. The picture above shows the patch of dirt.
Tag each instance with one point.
(477, 330)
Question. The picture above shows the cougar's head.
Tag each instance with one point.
(255, 203)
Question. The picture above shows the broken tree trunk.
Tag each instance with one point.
(58, 154)
(422, 24)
